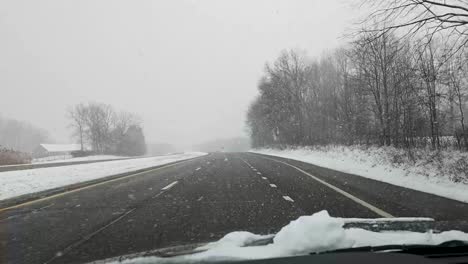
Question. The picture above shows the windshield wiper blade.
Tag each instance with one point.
(448, 247)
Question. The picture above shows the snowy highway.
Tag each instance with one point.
(196, 201)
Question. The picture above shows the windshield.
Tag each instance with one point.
(135, 128)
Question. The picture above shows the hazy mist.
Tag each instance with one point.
(188, 68)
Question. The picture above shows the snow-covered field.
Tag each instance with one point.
(444, 174)
(315, 233)
(69, 158)
(15, 183)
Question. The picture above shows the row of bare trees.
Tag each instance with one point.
(382, 88)
(105, 131)
(20, 135)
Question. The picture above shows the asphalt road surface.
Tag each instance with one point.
(199, 200)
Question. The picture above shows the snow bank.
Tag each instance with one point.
(315, 233)
(15, 183)
(69, 158)
(441, 174)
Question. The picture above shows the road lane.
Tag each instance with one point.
(361, 202)
(396, 200)
(196, 201)
(221, 197)
(307, 193)
(36, 232)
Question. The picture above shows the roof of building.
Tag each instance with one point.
(61, 147)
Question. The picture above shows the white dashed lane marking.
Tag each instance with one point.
(371, 207)
(285, 197)
(169, 186)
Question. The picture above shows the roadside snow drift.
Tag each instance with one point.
(427, 174)
(315, 233)
(15, 183)
(69, 158)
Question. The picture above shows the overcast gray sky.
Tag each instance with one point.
(189, 68)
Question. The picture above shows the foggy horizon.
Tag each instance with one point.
(190, 69)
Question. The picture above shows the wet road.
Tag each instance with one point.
(195, 201)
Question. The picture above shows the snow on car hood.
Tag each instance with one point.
(315, 233)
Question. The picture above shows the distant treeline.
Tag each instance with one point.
(20, 135)
(104, 130)
(156, 149)
(238, 144)
(381, 88)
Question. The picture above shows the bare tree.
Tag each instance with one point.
(78, 115)
(133, 142)
(376, 58)
(457, 79)
(429, 72)
(105, 130)
(100, 119)
(287, 77)
(423, 19)
(123, 121)
(380, 90)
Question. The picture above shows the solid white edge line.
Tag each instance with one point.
(350, 196)
(170, 186)
(287, 198)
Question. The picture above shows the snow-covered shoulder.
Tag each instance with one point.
(439, 175)
(70, 158)
(16, 183)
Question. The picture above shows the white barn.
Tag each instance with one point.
(47, 150)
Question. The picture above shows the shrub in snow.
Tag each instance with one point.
(11, 157)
